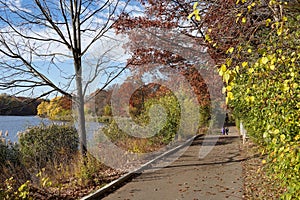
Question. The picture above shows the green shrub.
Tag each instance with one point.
(9, 154)
(43, 144)
(172, 109)
(105, 119)
(166, 132)
(113, 132)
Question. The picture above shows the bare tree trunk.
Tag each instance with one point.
(81, 116)
(78, 70)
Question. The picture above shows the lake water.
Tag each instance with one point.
(15, 124)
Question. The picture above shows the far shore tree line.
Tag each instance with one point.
(60, 107)
(22, 106)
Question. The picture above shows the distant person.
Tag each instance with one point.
(226, 130)
(223, 130)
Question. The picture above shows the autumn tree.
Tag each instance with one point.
(165, 41)
(58, 108)
(99, 100)
(61, 37)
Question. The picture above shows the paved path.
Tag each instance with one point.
(216, 176)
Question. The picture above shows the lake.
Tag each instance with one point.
(15, 124)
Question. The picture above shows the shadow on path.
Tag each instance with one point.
(216, 176)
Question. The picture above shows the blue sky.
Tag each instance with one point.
(59, 68)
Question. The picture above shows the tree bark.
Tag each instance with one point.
(78, 70)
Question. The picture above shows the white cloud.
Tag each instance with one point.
(15, 5)
(111, 46)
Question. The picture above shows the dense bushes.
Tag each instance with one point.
(9, 154)
(43, 144)
(41, 151)
(166, 131)
(264, 92)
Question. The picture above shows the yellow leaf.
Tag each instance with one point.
(244, 20)
(263, 161)
(284, 18)
(264, 60)
(282, 137)
(230, 50)
(223, 68)
(237, 69)
(251, 70)
(190, 15)
(268, 22)
(228, 88)
(228, 61)
(230, 95)
(272, 67)
(195, 12)
(279, 31)
(221, 73)
(195, 5)
(295, 85)
(226, 77)
(207, 38)
(244, 64)
(249, 51)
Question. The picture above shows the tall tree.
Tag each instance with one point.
(39, 35)
(170, 43)
(159, 48)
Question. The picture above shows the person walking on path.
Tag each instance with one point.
(223, 130)
(226, 130)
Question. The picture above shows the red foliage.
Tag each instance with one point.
(153, 42)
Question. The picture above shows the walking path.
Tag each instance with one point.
(216, 176)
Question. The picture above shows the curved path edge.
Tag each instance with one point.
(114, 185)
